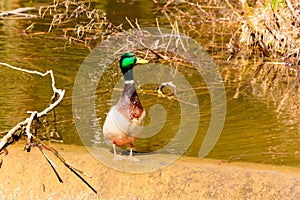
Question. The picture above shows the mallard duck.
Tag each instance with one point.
(125, 120)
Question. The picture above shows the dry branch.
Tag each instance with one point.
(59, 92)
(91, 24)
(19, 13)
(32, 140)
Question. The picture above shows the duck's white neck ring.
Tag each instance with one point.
(129, 81)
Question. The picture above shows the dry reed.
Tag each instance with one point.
(270, 33)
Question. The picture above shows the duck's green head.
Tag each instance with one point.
(129, 60)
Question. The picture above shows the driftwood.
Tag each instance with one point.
(32, 140)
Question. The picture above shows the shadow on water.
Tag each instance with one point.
(251, 133)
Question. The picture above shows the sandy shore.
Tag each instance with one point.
(29, 176)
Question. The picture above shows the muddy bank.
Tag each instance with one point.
(28, 176)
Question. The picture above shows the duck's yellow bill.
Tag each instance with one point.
(141, 61)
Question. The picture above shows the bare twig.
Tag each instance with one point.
(56, 98)
(290, 6)
(56, 91)
(19, 12)
(53, 166)
(73, 169)
(27, 130)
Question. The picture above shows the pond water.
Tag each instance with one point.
(251, 132)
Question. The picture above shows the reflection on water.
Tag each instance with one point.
(251, 132)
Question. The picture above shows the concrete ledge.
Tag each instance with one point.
(29, 176)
